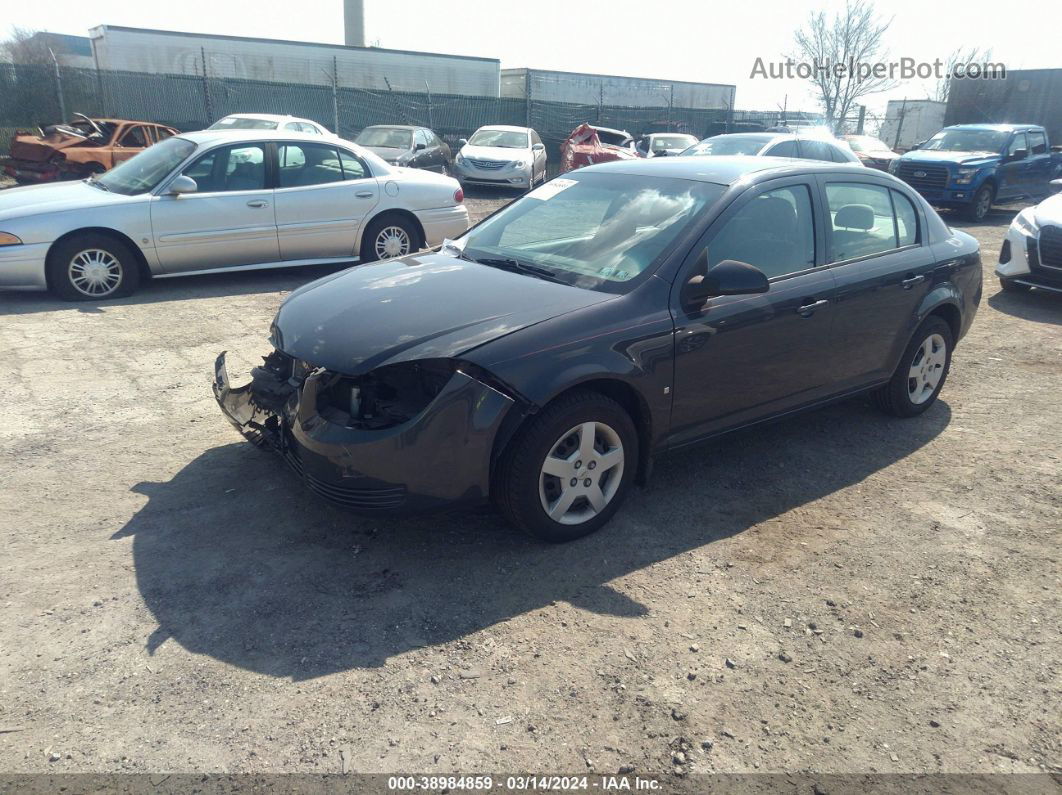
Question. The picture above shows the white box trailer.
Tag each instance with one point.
(373, 68)
(909, 122)
(591, 89)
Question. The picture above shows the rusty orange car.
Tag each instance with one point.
(79, 149)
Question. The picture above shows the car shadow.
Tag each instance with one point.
(490, 193)
(182, 288)
(997, 216)
(238, 561)
(1039, 306)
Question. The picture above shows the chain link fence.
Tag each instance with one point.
(36, 95)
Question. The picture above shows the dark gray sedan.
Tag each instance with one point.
(403, 145)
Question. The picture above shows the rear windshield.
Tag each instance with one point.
(729, 145)
(230, 123)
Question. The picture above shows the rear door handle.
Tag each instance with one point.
(807, 310)
(364, 194)
(911, 281)
(258, 203)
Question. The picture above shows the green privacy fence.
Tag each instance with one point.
(34, 95)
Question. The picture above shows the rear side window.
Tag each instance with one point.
(838, 155)
(862, 220)
(775, 232)
(1037, 143)
(784, 149)
(302, 165)
(906, 220)
(815, 150)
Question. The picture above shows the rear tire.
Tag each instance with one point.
(388, 237)
(1014, 287)
(921, 373)
(92, 267)
(568, 470)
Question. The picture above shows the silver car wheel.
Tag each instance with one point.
(393, 241)
(927, 368)
(95, 272)
(581, 473)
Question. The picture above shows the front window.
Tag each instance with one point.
(232, 123)
(506, 139)
(385, 138)
(967, 141)
(229, 168)
(141, 173)
(598, 231)
(775, 231)
(728, 145)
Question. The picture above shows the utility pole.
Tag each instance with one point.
(206, 89)
(335, 94)
(431, 117)
(899, 123)
(58, 87)
(862, 119)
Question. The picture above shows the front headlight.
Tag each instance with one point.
(1026, 224)
(519, 164)
(964, 176)
(7, 239)
(894, 165)
(386, 397)
(460, 158)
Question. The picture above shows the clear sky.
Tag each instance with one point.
(679, 40)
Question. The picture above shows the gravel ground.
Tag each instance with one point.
(840, 592)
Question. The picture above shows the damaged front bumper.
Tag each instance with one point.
(440, 457)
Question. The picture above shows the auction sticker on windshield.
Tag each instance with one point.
(550, 189)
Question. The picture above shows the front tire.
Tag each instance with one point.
(982, 203)
(568, 471)
(389, 237)
(92, 267)
(921, 373)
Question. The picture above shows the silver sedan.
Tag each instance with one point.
(215, 201)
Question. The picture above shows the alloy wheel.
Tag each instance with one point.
(393, 241)
(581, 473)
(95, 272)
(927, 368)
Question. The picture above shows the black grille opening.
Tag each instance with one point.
(1051, 246)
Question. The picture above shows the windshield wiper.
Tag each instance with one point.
(515, 266)
(96, 183)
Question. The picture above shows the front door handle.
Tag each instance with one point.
(364, 194)
(911, 281)
(807, 310)
(257, 203)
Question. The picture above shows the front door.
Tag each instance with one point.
(1040, 163)
(229, 220)
(740, 358)
(323, 196)
(1014, 174)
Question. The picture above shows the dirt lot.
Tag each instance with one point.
(842, 592)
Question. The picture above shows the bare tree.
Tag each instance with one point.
(958, 56)
(25, 46)
(832, 46)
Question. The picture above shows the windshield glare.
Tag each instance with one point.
(597, 231)
(142, 172)
(230, 123)
(385, 137)
(967, 141)
(506, 139)
(671, 143)
(728, 145)
(864, 143)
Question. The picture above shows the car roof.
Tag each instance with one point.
(995, 127)
(725, 170)
(393, 127)
(755, 136)
(504, 128)
(206, 137)
(267, 117)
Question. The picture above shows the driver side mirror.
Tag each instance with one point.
(539, 147)
(729, 277)
(462, 142)
(1018, 154)
(182, 185)
(418, 147)
(1055, 185)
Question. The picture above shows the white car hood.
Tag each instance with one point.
(1049, 211)
(55, 197)
(495, 153)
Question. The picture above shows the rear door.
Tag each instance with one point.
(323, 196)
(877, 249)
(228, 221)
(741, 358)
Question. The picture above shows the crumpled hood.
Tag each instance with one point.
(1049, 211)
(495, 153)
(417, 307)
(55, 197)
(961, 158)
(388, 153)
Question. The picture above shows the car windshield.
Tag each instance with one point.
(506, 139)
(232, 123)
(672, 143)
(865, 143)
(142, 172)
(967, 141)
(597, 231)
(388, 137)
(729, 145)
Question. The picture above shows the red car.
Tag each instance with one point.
(588, 145)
